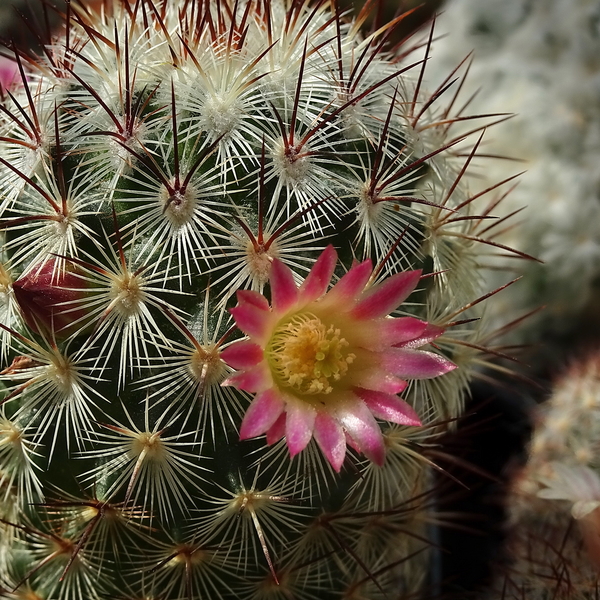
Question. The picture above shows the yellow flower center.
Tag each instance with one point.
(309, 355)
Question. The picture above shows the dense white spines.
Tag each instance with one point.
(153, 467)
(19, 481)
(53, 391)
(158, 161)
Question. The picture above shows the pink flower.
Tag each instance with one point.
(328, 363)
(9, 73)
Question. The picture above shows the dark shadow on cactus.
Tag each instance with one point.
(384, 11)
(28, 23)
(490, 439)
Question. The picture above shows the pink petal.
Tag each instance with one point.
(389, 407)
(284, 293)
(277, 430)
(362, 427)
(9, 73)
(350, 442)
(331, 439)
(251, 320)
(351, 284)
(242, 354)
(262, 413)
(415, 364)
(377, 379)
(299, 425)
(432, 332)
(256, 379)
(390, 332)
(253, 298)
(380, 334)
(317, 281)
(385, 297)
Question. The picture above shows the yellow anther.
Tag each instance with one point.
(308, 355)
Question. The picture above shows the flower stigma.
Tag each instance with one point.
(308, 355)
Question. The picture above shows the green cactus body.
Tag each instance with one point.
(156, 160)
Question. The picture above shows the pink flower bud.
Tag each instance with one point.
(9, 73)
(50, 297)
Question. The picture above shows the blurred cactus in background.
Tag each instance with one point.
(539, 61)
(553, 547)
(222, 220)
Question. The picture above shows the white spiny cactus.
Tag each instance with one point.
(211, 214)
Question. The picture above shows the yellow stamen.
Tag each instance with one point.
(309, 355)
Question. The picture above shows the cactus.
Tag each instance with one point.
(538, 60)
(553, 530)
(222, 220)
